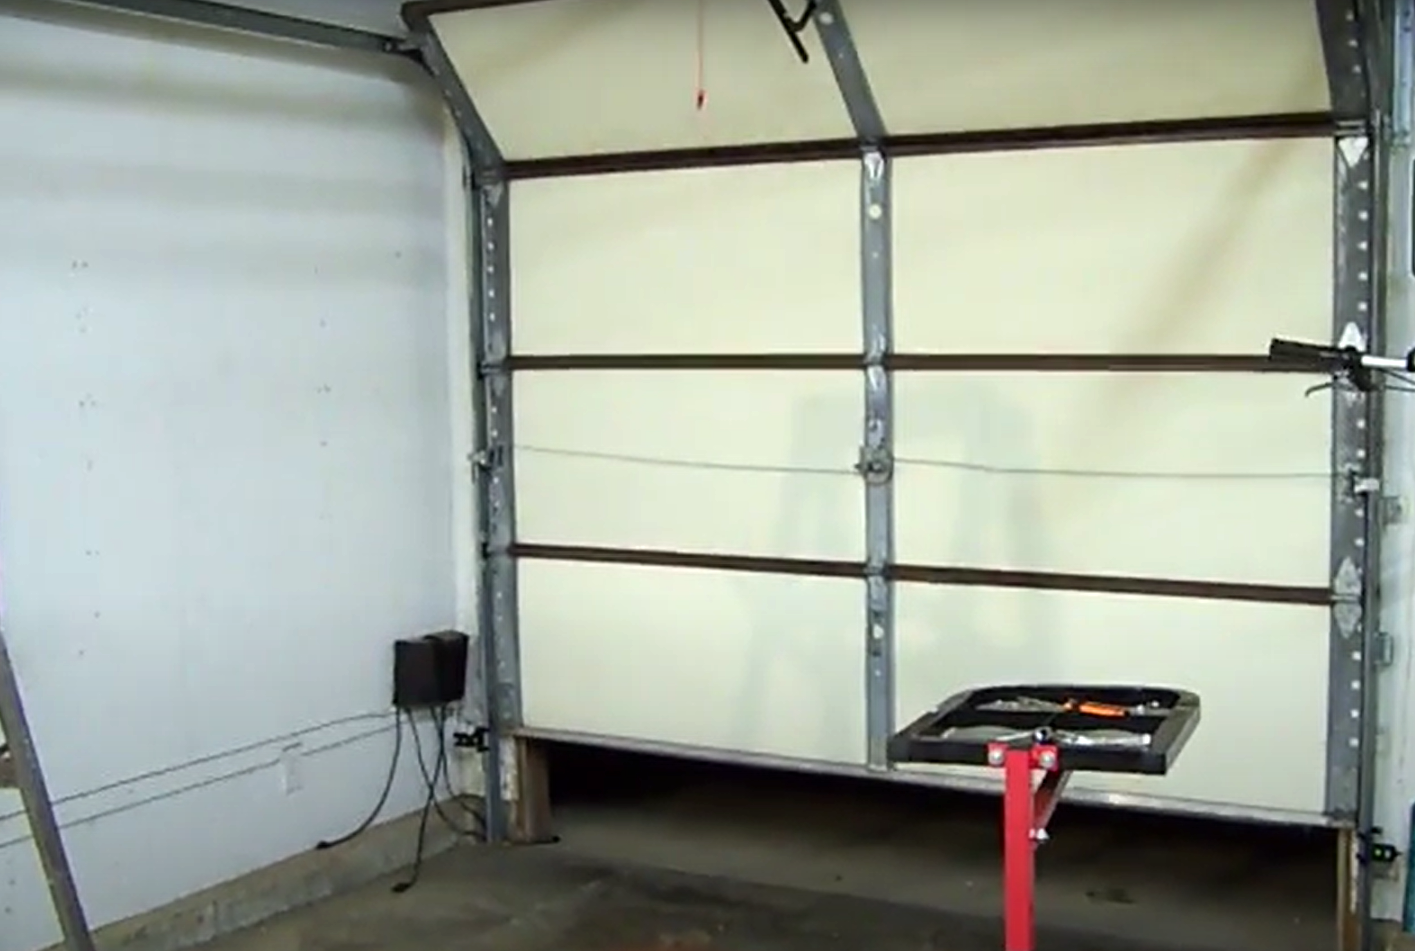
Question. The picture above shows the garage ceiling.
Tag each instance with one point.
(378, 16)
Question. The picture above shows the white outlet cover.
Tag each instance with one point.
(291, 774)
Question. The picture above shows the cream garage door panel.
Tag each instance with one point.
(1221, 477)
(746, 462)
(742, 662)
(557, 78)
(1210, 247)
(989, 64)
(702, 261)
(1260, 671)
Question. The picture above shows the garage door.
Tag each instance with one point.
(809, 436)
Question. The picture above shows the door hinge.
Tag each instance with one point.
(7, 768)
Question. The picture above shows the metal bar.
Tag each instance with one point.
(496, 496)
(1049, 792)
(1112, 584)
(1273, 126)
(1019, 870)
(849, 72)
(1339, 24)
(427, 8)
(876, 463)
(537, 362)
(487, 162)
(1398, 198)
(1355, 486)
(1090, 362)
(877, 453)
(489, 246)
(498, 824)
(907, 362)
(44, 825)
(930, 574)
(227, 16)
(1385, 39)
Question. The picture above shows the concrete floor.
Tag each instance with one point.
(654, 856)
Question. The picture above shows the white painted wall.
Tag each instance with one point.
(225, 424)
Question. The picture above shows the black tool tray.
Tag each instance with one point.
(1146, 738)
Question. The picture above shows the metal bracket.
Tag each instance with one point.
(1393, 510)
(484, 155)
(1346, 594)
(1364, 485)
(1371, 850)
(492, 457)
(875, 464)
(794, 26)
(1382, 649)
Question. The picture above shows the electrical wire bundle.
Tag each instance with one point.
(474, 829)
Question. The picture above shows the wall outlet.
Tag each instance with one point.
(291, 771)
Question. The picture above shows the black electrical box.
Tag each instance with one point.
(430, 671)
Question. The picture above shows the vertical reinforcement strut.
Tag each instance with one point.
(1356, 482)
(1357, 64)
(489, 250)
(496, 497)
(876, 462)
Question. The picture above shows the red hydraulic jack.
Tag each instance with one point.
(1027, 807)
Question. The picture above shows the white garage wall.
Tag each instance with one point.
(225, 483)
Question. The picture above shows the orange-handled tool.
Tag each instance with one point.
(1091, 708)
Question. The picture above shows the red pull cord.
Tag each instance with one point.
(700, 93)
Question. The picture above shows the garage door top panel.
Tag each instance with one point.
(1005, 64)
(696, 261)
(1199, 247)
(560, 77)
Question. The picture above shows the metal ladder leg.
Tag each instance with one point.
(20, 765)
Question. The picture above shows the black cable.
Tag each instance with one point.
(440, 766)
(416, 873)
(429, 803)
(1406, 379)
(478, 831)
(369, 820)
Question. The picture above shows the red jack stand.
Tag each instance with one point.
(1057, 730)
(1027, 807)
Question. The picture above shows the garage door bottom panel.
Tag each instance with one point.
(964, 779)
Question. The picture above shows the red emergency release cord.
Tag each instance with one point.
(700, 90)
